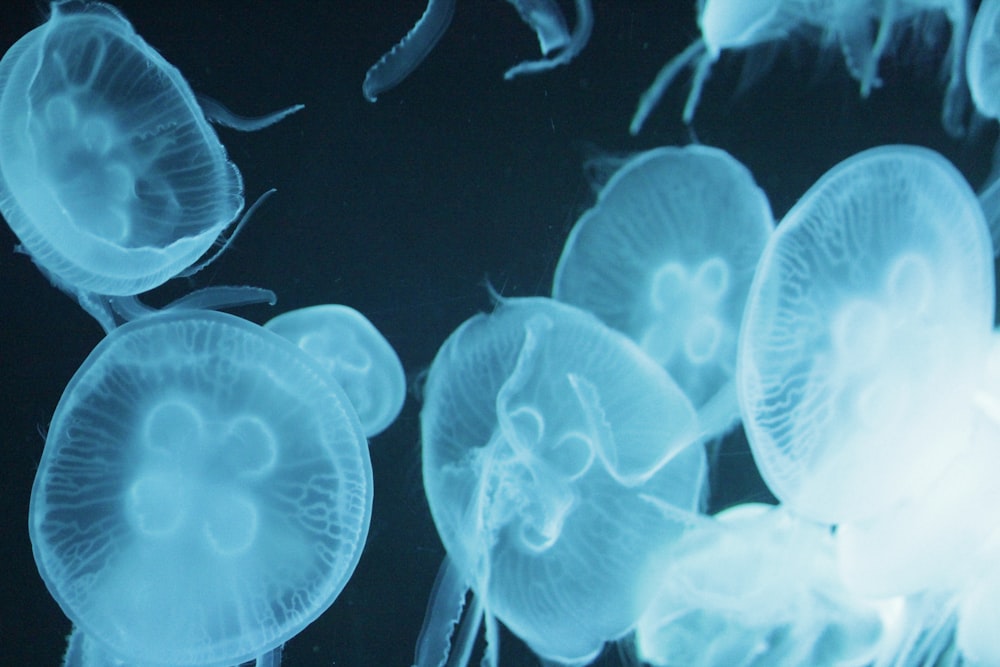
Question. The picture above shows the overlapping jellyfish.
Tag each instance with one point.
(110, 174)
(544, 17)
(865, 31)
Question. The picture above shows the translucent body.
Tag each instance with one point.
(543, 16)
(551, 446)
(983, 60)
(204, 493)
(866, 320)
(849, 24)
(666, 256)
(110, 175)
(758, 587)
(355, 355)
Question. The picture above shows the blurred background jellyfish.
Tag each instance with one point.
(356, 356)
(865, 30)
(983, 69)
(666, 256)
(110, 174)
(863, 336)
(557, 461)
(544, 17)
(204, 493)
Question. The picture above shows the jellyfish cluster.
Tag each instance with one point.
(207, 486)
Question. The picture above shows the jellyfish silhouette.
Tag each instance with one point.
(204, 492)
(743, 24)
(355, 355)
(111, 176)
(666, 256)
(864, 334)
(543, 16)
(557, 458)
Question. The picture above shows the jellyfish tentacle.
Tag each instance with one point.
(216, 112)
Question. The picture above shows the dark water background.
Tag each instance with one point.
(403, 209)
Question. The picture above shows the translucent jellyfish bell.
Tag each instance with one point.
(551, 445)
(355, 354)
(666, 256)
(110, 174)
(983, 60)
(866, 321)
(742, 24)
(204, 493)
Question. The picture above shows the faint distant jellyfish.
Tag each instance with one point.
(983, 59)
(110, 174)
(204, 492)
(355, 354)
(543, 16)
(557, 459)
(866, 322)
(666, 256)
(743, 24)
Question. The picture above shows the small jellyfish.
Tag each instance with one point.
(204, 493)
(666, 256)
(866, 322)
(982, 63)
(557, 459)
(355, 355)
(110, 174)
(851, 24)
(543, 16)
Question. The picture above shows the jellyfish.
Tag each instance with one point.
(204, 492)
(983, 59)
(666, 256)
(111, 176)
(557, 459)
(756, 585)
(743, 24)
(543, 16)
(865, 329)
(354, 354)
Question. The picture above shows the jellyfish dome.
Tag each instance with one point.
(666, 256)
(204, 493)
(355, 354)
(551, 446)
(864, 332)
(110, 174)
(983, 60)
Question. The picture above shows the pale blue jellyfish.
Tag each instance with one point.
(864, 332)
(864, 30)
(753, 586)
(666, 256)
(110, 174)
(204, 493)
(557, 460)
(544, 17)
(356, 356)
(983, 60)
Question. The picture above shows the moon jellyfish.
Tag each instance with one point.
(204, 493)
(753, 586)
(743, 24)
(557, 462)
(110, 174)
(983, 59)
(866, 322)
(543, 16)
(666, 256)
(354, 354)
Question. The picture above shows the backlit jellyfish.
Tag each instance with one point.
(867, 322)
(544, 17)
(557, 461)
(355, 354)
(666, 256)
(865, 31)
(110, 174)
(204, 493)
(752, 586)
(983, 59)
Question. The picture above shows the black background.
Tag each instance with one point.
(403, 209)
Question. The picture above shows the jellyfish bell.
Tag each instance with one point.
(111, 175)
(204, 493)
(356, 356)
